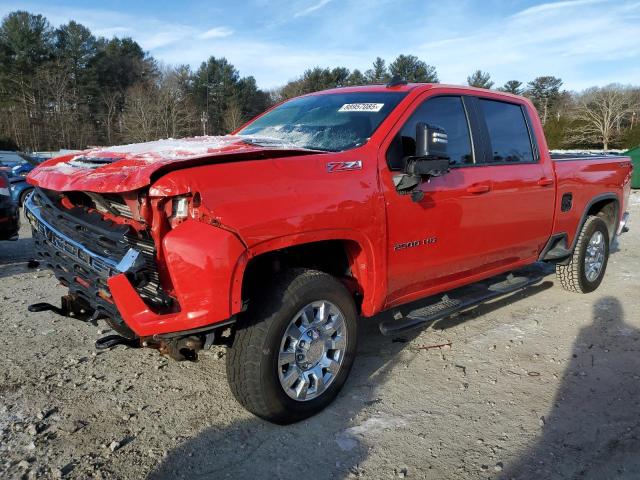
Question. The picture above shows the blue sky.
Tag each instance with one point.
(585, 42)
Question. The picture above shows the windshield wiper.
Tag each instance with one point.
(275, 142)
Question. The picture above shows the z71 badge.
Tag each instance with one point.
(344, 166)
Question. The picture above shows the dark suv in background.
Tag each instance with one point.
(9, 214)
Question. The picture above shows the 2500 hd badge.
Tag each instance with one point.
(415, 243)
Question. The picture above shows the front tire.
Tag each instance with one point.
(585, 270)
(294, 348)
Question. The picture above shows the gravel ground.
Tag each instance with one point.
(544, 384)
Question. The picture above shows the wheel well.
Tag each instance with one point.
(329, 256)
(23, 195)
(606, 209)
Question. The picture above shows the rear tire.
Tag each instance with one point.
(294, 348)
(585, 270)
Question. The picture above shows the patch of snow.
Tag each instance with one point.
(169, 148)
(63, 168)
(612, 151)
(350, 438)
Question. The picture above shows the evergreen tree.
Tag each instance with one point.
(356, 78)
(411, 69)
(544, 92)
(480, 79)
(378, 73)
(512, 86)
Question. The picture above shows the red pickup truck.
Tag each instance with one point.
(329, 207)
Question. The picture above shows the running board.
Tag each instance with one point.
(458, 300)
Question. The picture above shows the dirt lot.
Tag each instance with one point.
(545, 384)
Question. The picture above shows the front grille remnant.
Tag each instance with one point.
(84, 250)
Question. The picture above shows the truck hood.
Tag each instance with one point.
(130, 167)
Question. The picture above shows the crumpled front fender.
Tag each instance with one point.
(203, 262)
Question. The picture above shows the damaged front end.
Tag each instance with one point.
(100, 244)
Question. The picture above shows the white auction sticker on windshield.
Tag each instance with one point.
(361, 107)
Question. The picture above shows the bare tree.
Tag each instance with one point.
(599, 113)
(139, 118)
(233, 116)
(161, 109)
(110, 100)
(176, 116)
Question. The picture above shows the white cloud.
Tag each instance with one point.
(311, 8)
(555, 6)
(585, 42)
(581, 41)
(111, 31)
(216, 32)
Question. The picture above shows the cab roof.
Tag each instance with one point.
(408, 87)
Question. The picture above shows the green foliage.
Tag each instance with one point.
(631, 138)
(356, 78)
(7, 143)
(407, 67)
(27, 43)
(378, 73)
(480, 79)
(544, 92)
(512, 86)
(319, 78)
(555, 131)
(411, 69)
(65, 88)
(543, 87)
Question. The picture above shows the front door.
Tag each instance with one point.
(470, 220)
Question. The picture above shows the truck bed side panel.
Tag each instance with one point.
(588, 180)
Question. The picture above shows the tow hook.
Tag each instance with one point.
(46, 307)
(111, 341)
(180, 349)
(70, 306)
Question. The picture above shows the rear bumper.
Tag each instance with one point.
(623, 226)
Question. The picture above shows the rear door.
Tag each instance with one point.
(518, 206)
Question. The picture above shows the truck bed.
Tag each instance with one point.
(587, 179)
(584, 156)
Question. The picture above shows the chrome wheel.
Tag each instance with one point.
(312, 350)
(594, 256)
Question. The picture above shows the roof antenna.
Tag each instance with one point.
(396, 81)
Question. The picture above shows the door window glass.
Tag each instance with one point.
(508, 131)
(444, 112)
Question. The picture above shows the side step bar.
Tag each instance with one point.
(458, 300)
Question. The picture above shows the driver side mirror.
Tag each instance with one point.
(431, 152)
(430, 160)
(431, 140)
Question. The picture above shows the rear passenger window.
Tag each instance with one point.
(444, 112)
(510, 141)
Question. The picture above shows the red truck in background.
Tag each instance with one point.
(329, 207)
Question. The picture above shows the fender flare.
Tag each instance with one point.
(598, 198)
(366, 265)
(555, 242)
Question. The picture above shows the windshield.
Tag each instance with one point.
(330, 122)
